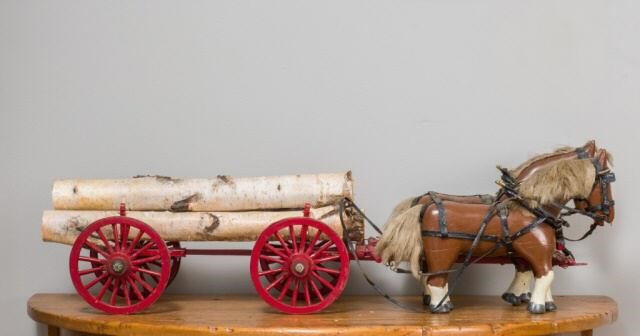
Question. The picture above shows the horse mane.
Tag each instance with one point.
(559, 182)
(519, 169)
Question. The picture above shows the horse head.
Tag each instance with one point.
(599, 203)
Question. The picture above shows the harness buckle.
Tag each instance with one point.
(608, 177)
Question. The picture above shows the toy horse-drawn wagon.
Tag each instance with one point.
(121, 261)
(125, 253)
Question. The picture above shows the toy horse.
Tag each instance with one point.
(519, 290)
(522, 223)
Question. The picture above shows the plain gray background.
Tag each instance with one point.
(410, 95)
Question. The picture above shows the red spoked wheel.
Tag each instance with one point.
(107, 262)
(299, 265)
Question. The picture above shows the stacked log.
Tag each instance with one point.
(219, 209)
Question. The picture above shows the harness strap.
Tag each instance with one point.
(539, 212)
(585, 235)
(460, 235)
(486, 198)
(442, 216)
(534, 223)
(503, 213)
(416, 200)
(582, 153)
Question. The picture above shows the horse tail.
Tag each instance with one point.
(402, 240)
(400, 208)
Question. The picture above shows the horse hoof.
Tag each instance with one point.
(550, 306)
(443, 309)
(525, 297)
(426, 300)
(512, 299)
(449, 305)
(536, 308)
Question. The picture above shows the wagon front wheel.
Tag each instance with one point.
(299, 265)
(108, 259)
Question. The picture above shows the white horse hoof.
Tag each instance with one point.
(536, 308)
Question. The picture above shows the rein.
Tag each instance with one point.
(343, 205)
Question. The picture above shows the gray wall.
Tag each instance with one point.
(410, 95)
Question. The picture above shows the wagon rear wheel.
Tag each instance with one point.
(108, 258)
(299, 265)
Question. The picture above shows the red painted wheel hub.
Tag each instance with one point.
(175, 267)
(119, 265)
(299, 265)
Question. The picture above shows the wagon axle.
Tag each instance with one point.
(298, 267)
(118, 266)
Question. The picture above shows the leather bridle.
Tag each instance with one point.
(600, 212)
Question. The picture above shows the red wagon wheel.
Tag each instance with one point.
(299, 265)
(104, 260)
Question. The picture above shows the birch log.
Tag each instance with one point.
(223, 193)
(65, 226)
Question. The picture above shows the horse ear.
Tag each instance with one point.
(601, 156)
(590, 147)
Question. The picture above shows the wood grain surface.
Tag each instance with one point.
(350, 315)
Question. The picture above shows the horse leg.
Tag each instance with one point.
(542, 270)
(426, 293)
(540, 290)
(520, 289)
(440, 260)
(426, 296)
(549, 305)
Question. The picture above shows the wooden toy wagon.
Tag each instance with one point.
(121, 261)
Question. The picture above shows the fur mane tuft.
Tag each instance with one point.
(559, 182)
(562, 150)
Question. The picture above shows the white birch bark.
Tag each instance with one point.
(65, 226)
(223, 193)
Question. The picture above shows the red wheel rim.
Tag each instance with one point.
(108, 279)
(300, 275)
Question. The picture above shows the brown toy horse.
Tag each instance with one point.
(519, 289)
(481, 229)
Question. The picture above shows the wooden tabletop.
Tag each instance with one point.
(373, 315)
